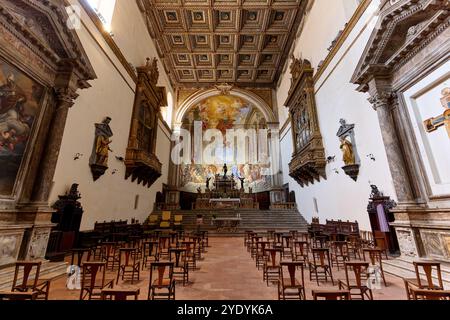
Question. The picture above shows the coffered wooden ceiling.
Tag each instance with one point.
(242, 42)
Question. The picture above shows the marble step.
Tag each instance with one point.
(403, 267)
(49, 270)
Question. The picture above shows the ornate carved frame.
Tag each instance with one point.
(140, 163)
(410, 40)
(308, 161)
(35, 38)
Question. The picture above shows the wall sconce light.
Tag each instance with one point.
(121, 159)
(371, 157)
(331, 159)
(77, 156)
(114, 171)
(336, 170)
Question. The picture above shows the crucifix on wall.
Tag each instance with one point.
(443, 120)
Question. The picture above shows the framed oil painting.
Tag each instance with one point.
(20, 103)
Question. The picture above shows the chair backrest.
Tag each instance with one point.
(290, 269)
(301, 248)
(164, 242)
(161, 272)
(287, 241)
(321, 256)
(331, 295)
(150, 248)
(428, 268)
(274, 257)
(127, 256)
(356, 271)
(340, 247)
(90, 271)
(111, 294)
(26, 269)
(178, 257)
(374, 255)
(166, 215)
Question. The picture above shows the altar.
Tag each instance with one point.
(224, 203)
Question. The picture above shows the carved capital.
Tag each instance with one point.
(383, 99)
(66, 97)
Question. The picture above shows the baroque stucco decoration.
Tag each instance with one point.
(308, 161)
(409, 41)
(36, 38)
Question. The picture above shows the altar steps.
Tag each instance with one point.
(257, 220)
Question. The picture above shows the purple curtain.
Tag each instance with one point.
(384, 226)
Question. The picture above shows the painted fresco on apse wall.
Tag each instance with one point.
(223, 113)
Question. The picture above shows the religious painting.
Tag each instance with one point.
(20, 100)
(224, 112)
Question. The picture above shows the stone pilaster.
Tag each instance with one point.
(65, 98)
(384, 102)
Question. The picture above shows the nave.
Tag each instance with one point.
(227, 272)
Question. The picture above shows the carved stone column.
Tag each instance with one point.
(384, 102)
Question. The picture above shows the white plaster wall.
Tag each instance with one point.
(112, 94)
(338, 197)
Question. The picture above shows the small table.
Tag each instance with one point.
(227, 224)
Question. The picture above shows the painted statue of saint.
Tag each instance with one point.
(347, 151)
(103, 133)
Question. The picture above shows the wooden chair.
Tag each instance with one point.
(248, 237)
(272, 267)
(180, 266)
(18, 296)
(178, 221)
(153, 221)
(303, 237)
(29, 274)
(254, 245)
(91, 285)
(319, 241)
(339, 253)
(161, 284)
(429, 283)
(129, 265)
(354, 246)
(165, 220)
(78, 254)
(301, 252)
(261, 257)
(294, 234)
(191, 257)
(320, 266)
(163, 247)
(375, 259)
(291, 288)
(271, 235)
(425, 294)
(111, 294)
(331, 295)
(110, 254)
(355, 283)
(286, 244)
(149, 253)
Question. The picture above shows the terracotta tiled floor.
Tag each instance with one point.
(228, 273)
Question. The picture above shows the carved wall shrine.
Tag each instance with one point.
(410, 42)
(141, 161)
(42, 65)
(308, 161)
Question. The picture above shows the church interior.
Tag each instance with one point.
(224, 150)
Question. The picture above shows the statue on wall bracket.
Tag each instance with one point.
(346, 135)
(100, 151)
